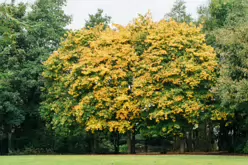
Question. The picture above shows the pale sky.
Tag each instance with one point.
(121, 11)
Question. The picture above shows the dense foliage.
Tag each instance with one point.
(174, 85)
(27, 38)
(114, 80)
(12, 112)
(226, 28)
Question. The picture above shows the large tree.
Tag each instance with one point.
(46, 26)
(12, 57)
(27, 39)
(225, 23)
(119, 78)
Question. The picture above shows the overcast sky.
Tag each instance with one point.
(121, 11)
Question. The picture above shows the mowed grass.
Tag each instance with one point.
(123, 160)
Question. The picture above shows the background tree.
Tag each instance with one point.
(12, 56)
(225, 23)
(179, 13)
(47, 21)
(96, 19)
(27, 39)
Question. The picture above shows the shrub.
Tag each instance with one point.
(245, 149)
(123, 148)
(32, 151)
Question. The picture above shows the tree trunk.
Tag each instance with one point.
(207, 131)
(210, 137)
(131, 142)
(175, 144)
(189, 141)
(96, 142)
(1, 146)
(146, 146)
(116, 143)
(223, 137)
(93, 144)
(163, 149)
(182, 145)
(196, 139)
(9, 142)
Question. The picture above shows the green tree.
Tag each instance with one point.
(98, 18)
(225, 23)
(47, 25)
(232, 43)
(12, 56)
(47, 22)
(203, 14)
(178, 12)
(27, 39)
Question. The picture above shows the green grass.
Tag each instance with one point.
(123, 160)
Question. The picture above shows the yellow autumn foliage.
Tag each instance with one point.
(112, 75)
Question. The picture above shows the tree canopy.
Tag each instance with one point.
(118, 78)
(225, 23)
(27, 38)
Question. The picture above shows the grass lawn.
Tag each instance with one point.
(123, 160)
